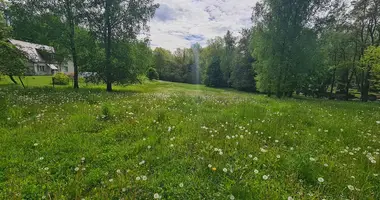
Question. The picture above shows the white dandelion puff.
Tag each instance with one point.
(350, 187)
(156, 196)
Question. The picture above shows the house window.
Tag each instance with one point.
(40, 68)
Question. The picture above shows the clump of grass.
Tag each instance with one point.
(106, 112)
(93, 99)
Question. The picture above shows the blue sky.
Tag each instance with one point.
(180, 23)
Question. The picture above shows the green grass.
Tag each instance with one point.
(57, 143)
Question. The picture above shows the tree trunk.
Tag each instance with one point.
(332, 84)
(72, 41)
(348, 83)
(13, 80)
(108, 46)
(365, 89)
(22, 83)
(352, 73)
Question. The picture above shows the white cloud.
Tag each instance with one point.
(179, 23)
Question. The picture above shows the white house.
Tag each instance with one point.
(42, 59)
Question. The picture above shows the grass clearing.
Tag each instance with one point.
(179, 141)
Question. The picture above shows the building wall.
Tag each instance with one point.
(67, 67)
(40, 69)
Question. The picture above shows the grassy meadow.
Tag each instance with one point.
(165, 140)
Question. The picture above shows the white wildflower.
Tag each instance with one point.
(350, 187)
(156, 196)
(263, 150)
(321, 180)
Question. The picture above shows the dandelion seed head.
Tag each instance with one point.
(156, 196)
(350, 187)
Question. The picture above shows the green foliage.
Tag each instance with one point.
(152, 74)
(116, 24)
(4, 29)
(214, 74)
(372, 58)
(242, 76)
(61, 79)
(280, 44)
(129, 60)
(13, 61)
(106, 112)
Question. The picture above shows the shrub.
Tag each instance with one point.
(61, 79)
(152, 74)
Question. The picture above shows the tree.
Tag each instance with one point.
(215, 49)
(214, 74)
(12, 62)
(372, 58)
(118, 20)
(281, 27)
(242, 75)
(162, 61)
(4, 29)
(228, 57)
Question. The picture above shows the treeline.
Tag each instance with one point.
(315, 48)
(99, 36)
(224, 62)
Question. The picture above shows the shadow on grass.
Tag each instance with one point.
(65, 89)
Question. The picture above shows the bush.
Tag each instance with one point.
(152, 74)
(61, 79)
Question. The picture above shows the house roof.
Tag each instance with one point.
(30, 49)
